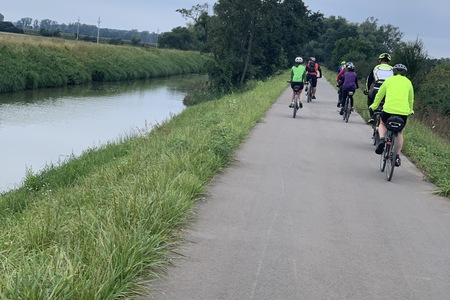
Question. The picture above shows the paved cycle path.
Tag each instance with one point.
(304, 213)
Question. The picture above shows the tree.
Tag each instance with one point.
(195, 12)
(9, 27)
(179, 38)
(24, 23)
(135, 40)
(2, 18)
(412, 55)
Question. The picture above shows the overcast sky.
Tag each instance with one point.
(428, 20)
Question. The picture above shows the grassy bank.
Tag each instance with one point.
(424, 148)
(29, 62)
(99, 226)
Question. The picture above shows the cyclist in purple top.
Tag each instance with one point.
(349, 82)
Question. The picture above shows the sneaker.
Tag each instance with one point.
(338, 105)
(314, 97)
(370, 121)
(301, 105)
(291, 105)
(398, 161)
(380, 148)
(353, 109)
(306, 89)
(341, 112)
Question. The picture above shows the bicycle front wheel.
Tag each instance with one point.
(375, 136)
(384, 157)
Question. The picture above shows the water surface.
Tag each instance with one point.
(47, 126)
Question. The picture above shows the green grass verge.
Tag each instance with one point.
(101, 225)
(427, 150)
(29, 62)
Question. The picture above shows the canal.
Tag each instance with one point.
(48, 126)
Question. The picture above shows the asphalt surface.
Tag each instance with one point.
(304, 213)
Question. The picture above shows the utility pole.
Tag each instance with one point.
(98, 30)
(157, 34)
(78, 28)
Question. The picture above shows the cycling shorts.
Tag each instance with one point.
(297, 83)
(385, 116)
(313, 79)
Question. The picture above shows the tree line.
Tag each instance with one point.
(255, 39)
(47, 27)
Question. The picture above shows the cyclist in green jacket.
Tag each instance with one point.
(298, 77)
(399, 100)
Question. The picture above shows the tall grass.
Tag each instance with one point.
(428, 150)
(36, 62)
(101, 225)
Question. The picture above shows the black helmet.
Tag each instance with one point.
(400, 69)
(385, 56)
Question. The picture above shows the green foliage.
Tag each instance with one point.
(180, 38)
(135, 40)
(412, 55)
(116, 41)
(434, 91)
(9, 27)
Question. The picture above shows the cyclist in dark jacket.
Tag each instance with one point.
(349, 82)
(377, 76)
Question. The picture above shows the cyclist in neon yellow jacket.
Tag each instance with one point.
(399, 100)
(298, 76)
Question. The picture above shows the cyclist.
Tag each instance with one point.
(342, 66)
(399, 100)
(377, 76)
(339, 83)
(312, 67)
(298, 76)
(349, 83)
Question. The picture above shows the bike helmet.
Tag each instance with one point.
(312, 58)
(298, 60)
(385, 56)
(343, 63)
(350, 66)
(400, 69)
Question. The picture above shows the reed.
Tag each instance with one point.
(31, 62)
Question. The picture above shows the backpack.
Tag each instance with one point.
(311, 67)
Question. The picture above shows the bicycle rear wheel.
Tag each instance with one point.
(390, 162)
(344, 116)
(348, 109)
(296, 106)
(309, 97)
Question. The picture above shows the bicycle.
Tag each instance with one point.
(348, 106)
(387, 160)
(375, 124)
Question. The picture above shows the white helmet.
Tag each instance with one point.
(298, 60)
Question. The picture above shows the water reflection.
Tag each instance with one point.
(48, 125)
